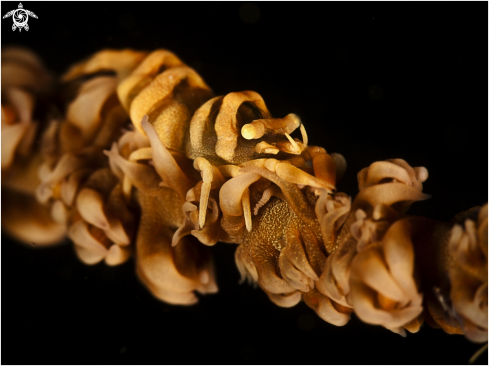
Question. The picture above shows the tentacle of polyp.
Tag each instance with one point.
(418, 175)
(324, 308)
(327, 285)
(88, 248)
(245, 264)
(296, 254)
(22, 102)
(383, 290)
(59, 212)
(142, 176)
(134, 140)
(332, 218)
(375, 274)
(367, 230)
(334, 280)
(290, 274)
(394, 169)
(29, 221)
(120, 218)
(90, 205)
(387, 194)
(268, 279)
(11, 138)
(188, 226)
(467, 270)
(265, 244)
(16, 124)
(70, 186)
(379, 171)
(285, 300)
(165, 165)
(68, 164)
(399, 257)
(294, 263)
(374, 199)
(117, 255)
(157, 268)
(93, 93)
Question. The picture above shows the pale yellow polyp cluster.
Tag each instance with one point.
(142, 159)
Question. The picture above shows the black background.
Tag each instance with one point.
(370, 81)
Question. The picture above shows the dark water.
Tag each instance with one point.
(370, 81)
